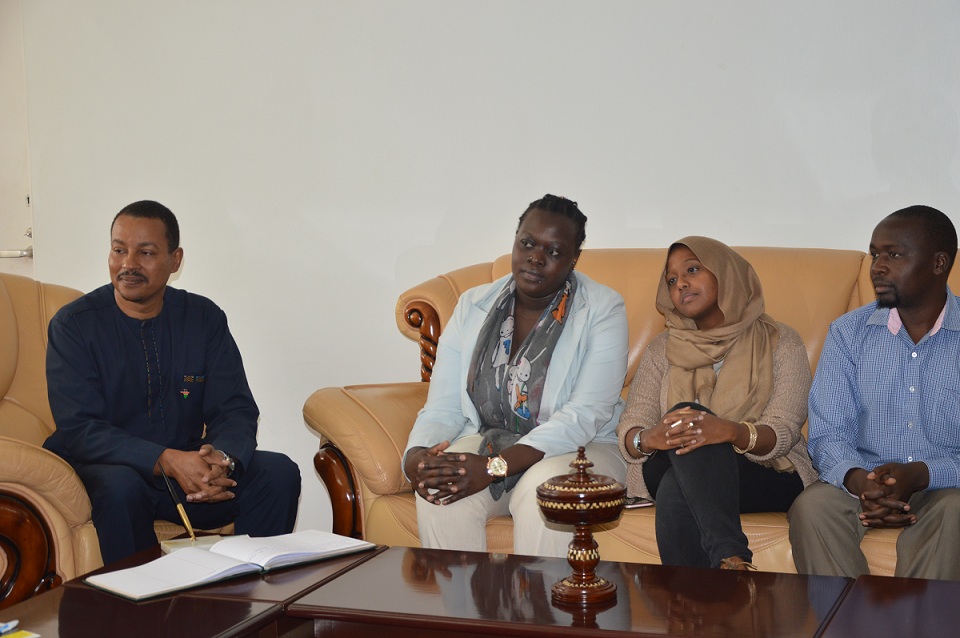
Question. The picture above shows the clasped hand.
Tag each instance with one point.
(202, 475)
(442, 478)
(685, 430)
(884, 492)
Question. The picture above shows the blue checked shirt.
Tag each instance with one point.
(880, 398)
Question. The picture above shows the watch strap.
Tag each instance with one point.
(229, 459)
(637, 444)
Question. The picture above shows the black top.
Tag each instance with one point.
(122, 389)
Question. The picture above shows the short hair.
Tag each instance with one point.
(560, 206)
(938, 231)
(148, 209)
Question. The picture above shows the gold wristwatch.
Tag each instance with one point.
(496, 466)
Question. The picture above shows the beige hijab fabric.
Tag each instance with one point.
(744, 342)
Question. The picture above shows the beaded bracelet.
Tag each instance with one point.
(753, 438)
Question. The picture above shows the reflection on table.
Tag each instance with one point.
(880, 605)
(696, 602)
(82, 612)
(467, 591)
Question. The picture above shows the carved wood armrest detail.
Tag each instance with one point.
(26, 542)
(424, 318)
(337, 475)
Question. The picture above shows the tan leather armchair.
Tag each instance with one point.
(46, 533)
(364, 429)
(44, 509)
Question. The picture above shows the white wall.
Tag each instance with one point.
(325, 156)
(15, 215)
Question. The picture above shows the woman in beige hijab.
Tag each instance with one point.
(737, 382)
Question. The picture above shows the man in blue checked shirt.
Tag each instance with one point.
(885, 413)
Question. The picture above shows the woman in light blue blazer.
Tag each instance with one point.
(529, 368)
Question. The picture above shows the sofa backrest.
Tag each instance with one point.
(806, 288)
(26, 307)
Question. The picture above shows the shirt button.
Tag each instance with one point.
(914, 355)
(910, 424)
(910, 458)
(911, 388)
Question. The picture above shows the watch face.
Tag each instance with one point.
(497, 467)
(229, 459)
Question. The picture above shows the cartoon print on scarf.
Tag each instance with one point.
(519, 375)
(560, 312)
(502, 355)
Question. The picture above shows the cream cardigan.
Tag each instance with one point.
(784, 413)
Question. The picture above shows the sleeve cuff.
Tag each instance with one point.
(836, 475)
(943, 475)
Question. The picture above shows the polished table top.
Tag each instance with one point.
(475, 593)
(424, 593)
(234, 607)
(84, 612)
(884, 606)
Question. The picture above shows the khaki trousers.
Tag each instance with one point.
(462, 525)
(825, 534)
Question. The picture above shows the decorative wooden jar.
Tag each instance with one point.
(582, 499)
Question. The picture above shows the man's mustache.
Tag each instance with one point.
(131, 273)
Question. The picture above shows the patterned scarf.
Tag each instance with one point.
(506, 379)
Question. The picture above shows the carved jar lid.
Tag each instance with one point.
(581, 497)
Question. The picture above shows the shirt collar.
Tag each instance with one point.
(949, 318)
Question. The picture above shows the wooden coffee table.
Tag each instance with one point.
(884, 606)
(83, 612)
(251, 605)
(419, 593)
(422, 593)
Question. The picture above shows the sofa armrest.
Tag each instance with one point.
(370, 425)
(423, 316)
(337, 475)
(33, 482)
(423, 311)
(46, 474)
(27, 551)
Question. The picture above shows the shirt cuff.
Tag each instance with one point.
(943, 474)
(839, 472)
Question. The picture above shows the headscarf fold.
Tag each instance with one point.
(744, 342)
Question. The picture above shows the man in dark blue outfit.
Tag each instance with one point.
(143, 376)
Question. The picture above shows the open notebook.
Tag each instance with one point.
(232, 556)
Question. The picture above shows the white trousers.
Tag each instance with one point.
(462, 525)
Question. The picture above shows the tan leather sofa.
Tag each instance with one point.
(46, 533)
(364, 428)
(45, 510)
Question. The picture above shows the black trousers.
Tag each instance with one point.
(125, 505)
(700, 496)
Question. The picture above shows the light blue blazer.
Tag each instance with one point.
(581, 394)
